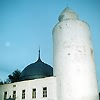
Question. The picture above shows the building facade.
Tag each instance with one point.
(38, 89)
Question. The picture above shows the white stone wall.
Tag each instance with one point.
(74, 64)
(49, 82)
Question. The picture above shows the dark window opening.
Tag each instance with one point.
(5, 95)
(14, 85)
(14, 95)
(23, 94)
(34, 93)
(44, 91)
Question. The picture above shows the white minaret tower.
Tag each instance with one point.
(73, 59)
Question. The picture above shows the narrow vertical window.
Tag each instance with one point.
(23, 94)
(34, 93)
(14, 95)
(5, 95)
(44, 91)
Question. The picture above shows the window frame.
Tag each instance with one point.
(45, 92)
(5, 95)
(33, 93)
(14, 95)
(23, 94)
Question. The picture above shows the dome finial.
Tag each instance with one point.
(39, 53)
(67, 6)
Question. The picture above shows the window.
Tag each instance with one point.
(5, 95)
(44, 91)
(34, 93)
(14, 85)
(23, 94)
(14, 95)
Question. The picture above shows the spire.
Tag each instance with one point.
(39, 53)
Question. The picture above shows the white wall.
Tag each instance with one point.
(49, 82)
(73, 61)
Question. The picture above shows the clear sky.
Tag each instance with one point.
(27, 24)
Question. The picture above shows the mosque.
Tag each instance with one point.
(73, 75)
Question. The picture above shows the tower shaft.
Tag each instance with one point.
(74, 64)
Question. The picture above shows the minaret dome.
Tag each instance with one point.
(67, 13)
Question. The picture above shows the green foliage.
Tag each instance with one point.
(14, 77)
(1, 82)
(7, 81)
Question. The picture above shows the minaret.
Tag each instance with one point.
(73, 59)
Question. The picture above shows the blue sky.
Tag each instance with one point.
(27, 24)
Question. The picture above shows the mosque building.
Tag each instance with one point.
(73, 75)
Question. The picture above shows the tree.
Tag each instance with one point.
(7, 81)
(14, 77)
(1, 82)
